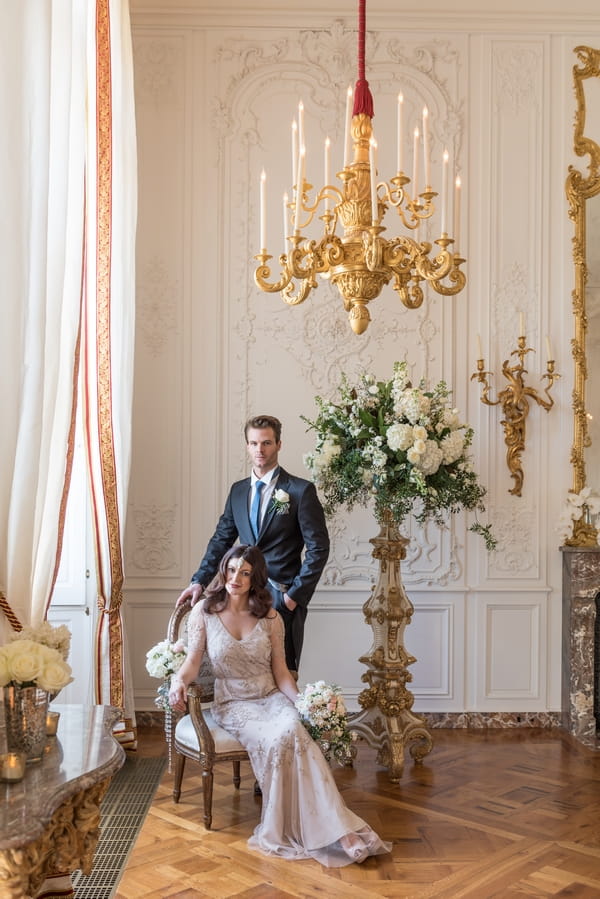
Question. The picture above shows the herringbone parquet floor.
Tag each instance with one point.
(496, 813)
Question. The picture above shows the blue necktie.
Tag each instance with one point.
(255, 510)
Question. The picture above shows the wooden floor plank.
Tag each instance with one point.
(487, 814)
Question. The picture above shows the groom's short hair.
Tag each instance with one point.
(264, 421)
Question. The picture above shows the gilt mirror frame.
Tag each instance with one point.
(580, 189)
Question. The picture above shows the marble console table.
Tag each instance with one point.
(49, 821)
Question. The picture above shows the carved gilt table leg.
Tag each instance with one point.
(68, 844)
(387, 722)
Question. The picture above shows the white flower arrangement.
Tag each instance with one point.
(323, 712)
(56, 636)
(281, 502)
(403, 446)
(574, 508)
(163, 661)
(36, 657)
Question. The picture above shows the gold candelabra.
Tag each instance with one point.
(361, 262)
(514, 400)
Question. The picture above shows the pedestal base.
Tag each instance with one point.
(390, 736)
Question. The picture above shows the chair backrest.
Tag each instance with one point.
(177, 630)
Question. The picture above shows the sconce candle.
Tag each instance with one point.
(12, 766)
(479, 350)
(549, 349)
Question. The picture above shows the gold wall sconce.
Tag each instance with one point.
(514, 400)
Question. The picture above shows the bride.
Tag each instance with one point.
(303, 814)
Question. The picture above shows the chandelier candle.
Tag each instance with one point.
(426, 148)
(445, 159)
(352, 252)
(400, 129)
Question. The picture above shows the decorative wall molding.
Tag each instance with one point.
(156, 305)
(154, 550)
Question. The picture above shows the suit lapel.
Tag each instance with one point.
(282, 484)
(242, 509)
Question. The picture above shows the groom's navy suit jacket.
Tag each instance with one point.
(283, 537)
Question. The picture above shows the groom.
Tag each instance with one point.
(282, 515)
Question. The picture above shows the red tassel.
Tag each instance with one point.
(363, 99)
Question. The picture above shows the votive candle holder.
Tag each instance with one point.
(12, 766)
(52, 719)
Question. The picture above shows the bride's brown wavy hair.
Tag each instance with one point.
(259, 598)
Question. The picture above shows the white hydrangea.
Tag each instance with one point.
(399, 437)
(412, 405)
(429, 462)
(325, 453)
(452, 445)
(450, 419)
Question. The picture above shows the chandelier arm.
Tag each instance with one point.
(433, 270)
(458, 279)
(263, 273)
(411, 298)
(294, 299)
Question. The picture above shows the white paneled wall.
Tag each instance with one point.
(215, 99)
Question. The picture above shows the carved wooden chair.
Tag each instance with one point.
(196, 735)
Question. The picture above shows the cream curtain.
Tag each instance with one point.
(68, 178)
(42, 170)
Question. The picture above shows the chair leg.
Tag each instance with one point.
(236, 775)
(179, 766)
(207, 791)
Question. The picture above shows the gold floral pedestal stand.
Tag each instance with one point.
(387, 722)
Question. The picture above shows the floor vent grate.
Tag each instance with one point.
(124, 808)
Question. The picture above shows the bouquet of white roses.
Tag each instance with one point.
(404, 446)
(164, 660)
(323, 712)
(36, 657)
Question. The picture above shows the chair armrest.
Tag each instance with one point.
(196, 695)
(202, 692)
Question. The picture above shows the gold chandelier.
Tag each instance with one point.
(361, 261)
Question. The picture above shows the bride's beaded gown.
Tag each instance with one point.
(303, 814)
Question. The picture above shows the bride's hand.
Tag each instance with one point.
(177, 695)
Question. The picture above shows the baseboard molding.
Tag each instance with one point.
(433, 720)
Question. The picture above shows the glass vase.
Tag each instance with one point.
(25, 710)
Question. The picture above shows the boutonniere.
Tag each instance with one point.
(281, 502)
